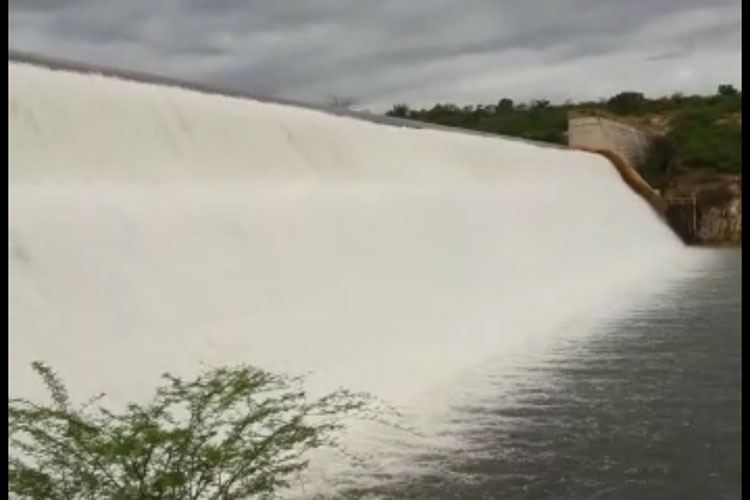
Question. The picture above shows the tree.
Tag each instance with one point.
(626, 103)
(399, 110)
(538, 104)
(677, 98)
(727, 90)
(505, 105)
(341, 102)
(230, 433)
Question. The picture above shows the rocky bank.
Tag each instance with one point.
(718, 207)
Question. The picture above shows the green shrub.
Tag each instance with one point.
(231, 433)
(702, 141)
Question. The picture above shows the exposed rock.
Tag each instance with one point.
(721, 224)
(719, 205)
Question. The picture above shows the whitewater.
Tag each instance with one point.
(158, 229)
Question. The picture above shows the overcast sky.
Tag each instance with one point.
(387, 51)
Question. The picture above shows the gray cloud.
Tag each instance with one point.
(387, 51)
(665, 56)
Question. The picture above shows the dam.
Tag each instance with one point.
(155, 228)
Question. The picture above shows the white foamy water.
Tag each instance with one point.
(154, 229)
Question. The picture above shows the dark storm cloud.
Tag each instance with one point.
(390, 50)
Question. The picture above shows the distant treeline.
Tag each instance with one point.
(699, 131)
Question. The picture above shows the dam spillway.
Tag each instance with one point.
(158, 229)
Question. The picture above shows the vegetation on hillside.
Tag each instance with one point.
(698, 132)
(231, 433)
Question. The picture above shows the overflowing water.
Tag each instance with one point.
(156, 229)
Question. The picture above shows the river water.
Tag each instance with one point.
(648, 408)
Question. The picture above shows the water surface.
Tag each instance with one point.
(647, 408)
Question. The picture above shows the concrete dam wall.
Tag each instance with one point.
(597, 133)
